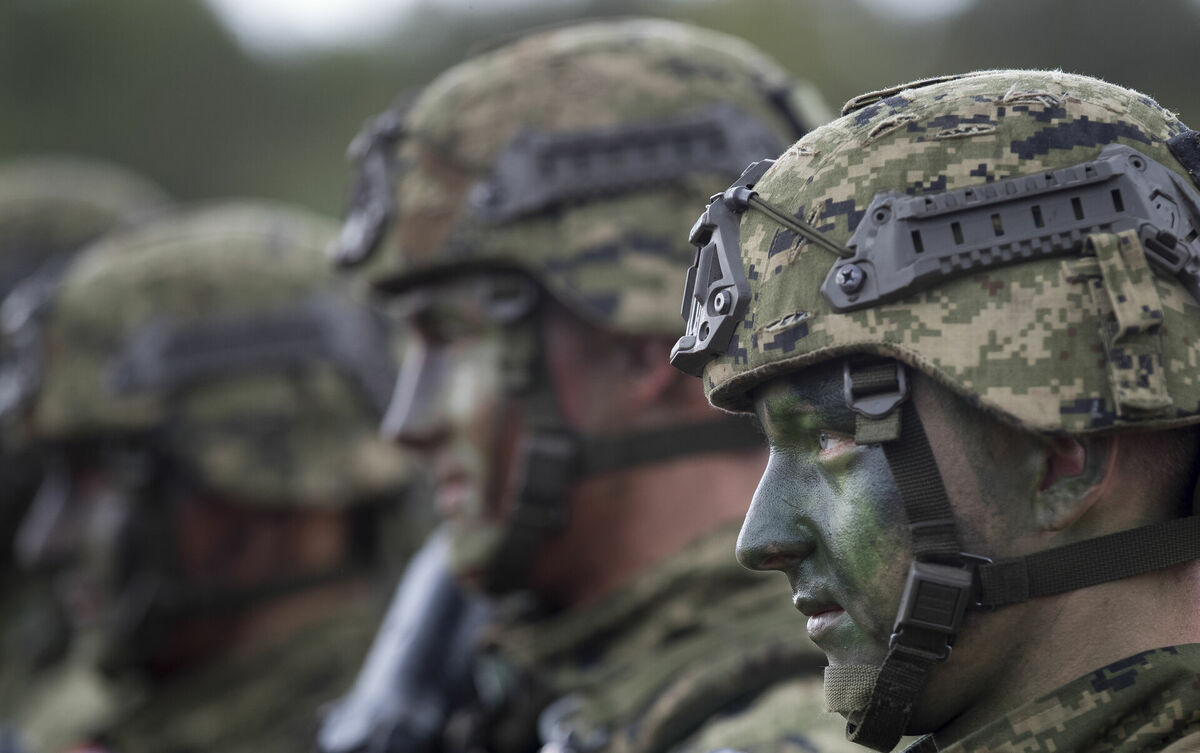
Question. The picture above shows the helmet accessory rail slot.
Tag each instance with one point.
(539, 170)
(167, 356)
(906, 244)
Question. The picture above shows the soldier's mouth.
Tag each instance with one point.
(823, 622)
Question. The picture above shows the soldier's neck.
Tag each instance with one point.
(1078, 632)
(625, 522)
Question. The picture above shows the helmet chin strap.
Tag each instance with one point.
(553, 457)
(943, 581)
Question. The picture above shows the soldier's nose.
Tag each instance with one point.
(415, 417)
(771, 537)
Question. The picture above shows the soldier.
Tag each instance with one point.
(966, 315)
(207, 408)
(523, 216)
(50, 206)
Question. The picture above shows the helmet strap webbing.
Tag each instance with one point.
(1090, 562)
(943, 581)
(554, 457)
(931, 608)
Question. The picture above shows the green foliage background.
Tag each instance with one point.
(162, 87)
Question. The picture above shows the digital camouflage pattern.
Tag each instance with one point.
(1147, 702)
(696, 655)
(614, 259)
(55, 204)
(1032, 342)
(266, 433)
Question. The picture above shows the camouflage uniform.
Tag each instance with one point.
(1028, 240)
(50, 206)
(569, 157)
(1148, 701)
(625, 675)
(213, 350)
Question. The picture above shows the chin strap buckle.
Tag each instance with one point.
(935, 599)
(549, 462)
(874, 389)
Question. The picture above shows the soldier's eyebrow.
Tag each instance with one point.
(821, 405)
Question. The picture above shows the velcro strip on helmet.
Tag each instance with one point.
(1131, 314)
(169, 356)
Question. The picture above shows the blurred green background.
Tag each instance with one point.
(165, 86)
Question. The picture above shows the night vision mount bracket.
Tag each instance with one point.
(716, 293)
(906, 244)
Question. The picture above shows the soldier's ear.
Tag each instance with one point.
(1075, 474)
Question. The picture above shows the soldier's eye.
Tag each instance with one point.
(832, 445)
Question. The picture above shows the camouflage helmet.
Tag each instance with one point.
(221, 330)
(55, 204)
(573, 155)
(1027, 239)
(985, 230)
(50, 207)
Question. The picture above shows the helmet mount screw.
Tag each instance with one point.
(850, 278)
(721, 302)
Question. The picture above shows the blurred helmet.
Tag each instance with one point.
(208, 358)
(51, 205)
(221, 332)
(573, 155)
(1027, 239)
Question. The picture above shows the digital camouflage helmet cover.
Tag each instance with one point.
(221, 332)
(209, 354)
(50, 205)
(1027, 239)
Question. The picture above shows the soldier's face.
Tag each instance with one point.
(75, 528)
(828, 514)
(451, 406)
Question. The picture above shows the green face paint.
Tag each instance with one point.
(467, 424)
(827, 514)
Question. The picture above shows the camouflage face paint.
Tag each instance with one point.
(828, 515)
(461, 416)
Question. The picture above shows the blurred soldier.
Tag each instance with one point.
(50, 206)
(207, 407)
(968, 317)
(524, 216)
